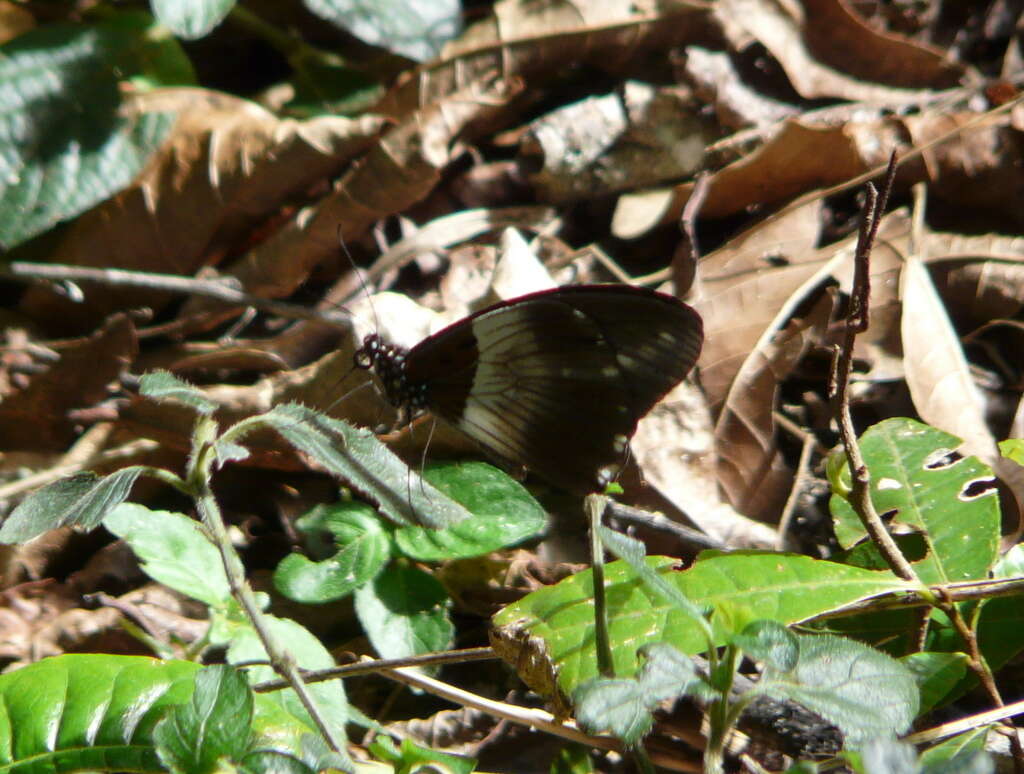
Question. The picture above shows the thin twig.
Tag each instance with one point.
(221, 289)
(857, 322)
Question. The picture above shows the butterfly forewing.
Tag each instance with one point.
(557, 380)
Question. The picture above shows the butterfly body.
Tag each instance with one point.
(555, 381)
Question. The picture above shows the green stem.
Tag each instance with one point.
(595, 505)
(198, 480)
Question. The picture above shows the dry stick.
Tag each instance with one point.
(857, 322)
(860, 494)
(221, 289)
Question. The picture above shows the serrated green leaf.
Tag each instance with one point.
(783, 587)
(614, 706)
(163, 385)
(82, 501)
(412, 29)
(771, 643)
(953, 503)
(193, 19)
(68, 146)
(216, 723)
(364, 547)
(365, 464)
(405, 612)
(173, 550)
(864, 692)
(503, 513)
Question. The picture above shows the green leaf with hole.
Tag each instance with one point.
(503, 514)
(918, 482)
(556, 624)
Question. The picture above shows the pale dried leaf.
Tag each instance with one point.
(751, 471)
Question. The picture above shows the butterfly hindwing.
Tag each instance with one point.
(557, 380)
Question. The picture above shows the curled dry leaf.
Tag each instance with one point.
(751, 471)
(743, 286)
(227, 165)
(838, 55)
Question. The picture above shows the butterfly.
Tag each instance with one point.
(553, 381)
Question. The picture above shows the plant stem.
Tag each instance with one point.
(595, 505)
(198, 479)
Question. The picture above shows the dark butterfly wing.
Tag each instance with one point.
(557, 380)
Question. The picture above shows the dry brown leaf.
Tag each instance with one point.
(940, 382)
(978, 168)
(741, 290)
(226, 166)
(800, 157)
(37, 417)
(837, 55)
(530, 40)
(751, 471)
(937, 371)
(400, 170)
(635, 138)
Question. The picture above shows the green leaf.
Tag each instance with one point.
(163, 385)
(309, 653)
(864, 692)
(364, 463)
(173, 550)
(98, 712)
(770, 642)
(412, 757)
(82, 501)
(914, 478)
(67, 144)
(413, 29)
(937, 674)
(961, 754)
(404, 612)
(624, 707)
(215, 724)
(364, 547)
(572, 759)
(634, 553)
(88, 712)
(192, 19)
(614, 706)
(1013, 449)
(503, 513)
(786, 588)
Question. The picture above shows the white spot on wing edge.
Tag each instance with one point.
(888, 483)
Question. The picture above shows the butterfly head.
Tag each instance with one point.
(388, 362)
